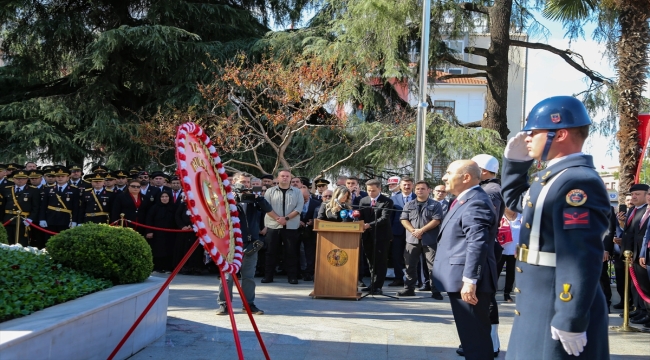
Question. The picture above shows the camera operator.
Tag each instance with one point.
(250, 207)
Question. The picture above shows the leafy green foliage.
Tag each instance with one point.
(30, 282)
(3, 235)
(118, 254)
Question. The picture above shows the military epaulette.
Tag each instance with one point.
(8, 186)
(73, 186)
(109, 190)
(89, 189)
(33, 187)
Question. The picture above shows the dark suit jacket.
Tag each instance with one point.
(357, 199)
(123, 204)
(466, 244)
(633, 233)
(608, 240)
(379, 217)
(311, 214)
(398, 204)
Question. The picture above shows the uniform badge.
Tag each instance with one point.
(25, 199)
(576, 197)
(555, 118)
(576, 218)
(566, 295)
(151, 199)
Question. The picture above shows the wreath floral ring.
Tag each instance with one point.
(210, 201)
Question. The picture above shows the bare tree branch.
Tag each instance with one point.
(368, 143)
(243, 163)
(473, 124)
(470, 65)
(564, 54)
(477, 51)
(474, 7)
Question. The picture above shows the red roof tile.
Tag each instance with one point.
(457, 81)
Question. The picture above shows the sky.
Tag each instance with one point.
(549, 75)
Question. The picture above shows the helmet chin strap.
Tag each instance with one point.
(549, 140)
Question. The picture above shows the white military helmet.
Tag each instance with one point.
(487, 162)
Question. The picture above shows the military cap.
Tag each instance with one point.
(35, 174)
(14, 167)
(135, 169)
(639, 187)
(93, 177)
(3, 167)
(99, 169)
(20, 174)
(75, 167)
(174, 178)
(121, 174)
(143, 173)
(321, 182)
(109, 176)
(267, 176)
(48, 170)
(305, 180)
(61, 170)
(157, 173)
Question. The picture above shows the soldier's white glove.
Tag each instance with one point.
(27, 222)
(42, 223)
(516, 148)
(573, 343)
(73, 224)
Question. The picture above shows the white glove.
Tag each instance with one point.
(42, 223)
(73, 224)
(27, 222)
(573, 343)
(516, 148)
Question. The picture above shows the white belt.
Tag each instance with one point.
(532, 255)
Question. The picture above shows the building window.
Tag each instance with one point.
(444, 106)
(455, 71)
(456, 46)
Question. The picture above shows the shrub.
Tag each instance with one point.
(3, 235)
(31, 281)
(118, 254)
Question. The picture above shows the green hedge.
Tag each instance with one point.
(118, 254)
(3, 235)
(31, 281)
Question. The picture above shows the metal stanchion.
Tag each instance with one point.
(122, 219)
(18, 228)
(626, 304)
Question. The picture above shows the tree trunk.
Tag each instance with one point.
(496, 117)
(632, 64)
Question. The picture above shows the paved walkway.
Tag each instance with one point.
(295, 326)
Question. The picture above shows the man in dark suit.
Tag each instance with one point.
(465, 266)
(375, 213)
(399, 233)
(352, 183)
(633, 231)
(306, 233)
(439, 195)
(152, 193)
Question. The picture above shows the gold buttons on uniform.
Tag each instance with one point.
(536, 178)
(543, 183)
(530, 204)
(517, 313)
(527, 226)
(519, 269)
(517, 290)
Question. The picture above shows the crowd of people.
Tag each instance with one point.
(455, 238)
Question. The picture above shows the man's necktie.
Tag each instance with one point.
(629, 220)
(373, 202)
(452, 204)
(175, 195)
(645, 216)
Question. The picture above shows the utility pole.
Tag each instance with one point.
(420, 135)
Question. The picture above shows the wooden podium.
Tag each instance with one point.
(337, 259)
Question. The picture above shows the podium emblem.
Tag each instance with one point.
(337, 257)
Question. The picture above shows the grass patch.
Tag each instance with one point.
(31, 281)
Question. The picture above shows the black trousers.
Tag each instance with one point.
(377, 258)
(279, 241)
(412, 256)
(605, 283)
(397, 250)
(619, 271)
(308, 238)
(473, 325)
(509, 261)
(23, 234)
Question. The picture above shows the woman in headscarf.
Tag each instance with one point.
(331, 210)
(162, 215)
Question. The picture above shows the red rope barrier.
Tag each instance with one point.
(231, 313)
(8, 221)
(157, 228)
(645, 297)
(153, 301)
(41, 229)
(248, 311)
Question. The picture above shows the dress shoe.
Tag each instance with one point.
(437, 295)
(460, 351)
(396, 282)
(293, 281)
(360, 284)
(377, 292)
(406, 292)
(640, 320)
(307, 277)
(367, 288)
(618, 306)
(507, 298)
(646, 326)
(267, 280)
(425, 287)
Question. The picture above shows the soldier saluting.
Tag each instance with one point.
(21, 201)
(96, 201)
(561, 311)
(60, 207)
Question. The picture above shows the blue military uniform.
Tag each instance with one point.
(560, 288)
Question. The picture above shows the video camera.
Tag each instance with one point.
(247, 195)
